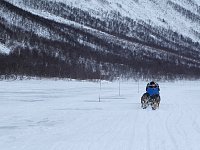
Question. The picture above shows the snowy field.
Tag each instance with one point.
(66, 115)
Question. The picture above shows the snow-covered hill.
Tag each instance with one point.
(4, 49)
(122, 37)
(167, 14)
(181, 16)
(60, 115)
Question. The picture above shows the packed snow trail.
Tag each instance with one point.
(60, 115)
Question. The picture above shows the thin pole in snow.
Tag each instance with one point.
(100, 89)
(119, 87)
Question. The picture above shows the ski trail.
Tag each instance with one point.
(142, 131)
(133, 130)
(188, 127)
(156, 137)
(148, 130)
(174, 129)
(170, 132)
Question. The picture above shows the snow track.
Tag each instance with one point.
(60, 115)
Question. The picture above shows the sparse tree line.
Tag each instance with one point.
(65, 57)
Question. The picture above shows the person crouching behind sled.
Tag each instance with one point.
(152, 93)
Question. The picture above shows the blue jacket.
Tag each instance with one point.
(152, 90)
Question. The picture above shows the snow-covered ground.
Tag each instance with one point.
(66, 115)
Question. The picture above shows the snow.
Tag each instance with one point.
(47, 15)
(4, 49)
(152, 11)
(149, 11)
(18, 20)
(60, 115)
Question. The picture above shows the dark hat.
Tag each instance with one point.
(152, 82)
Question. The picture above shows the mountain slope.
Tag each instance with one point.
(73, 39)
(179, 15)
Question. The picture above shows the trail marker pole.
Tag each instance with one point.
(119, 86)
(100, 89)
